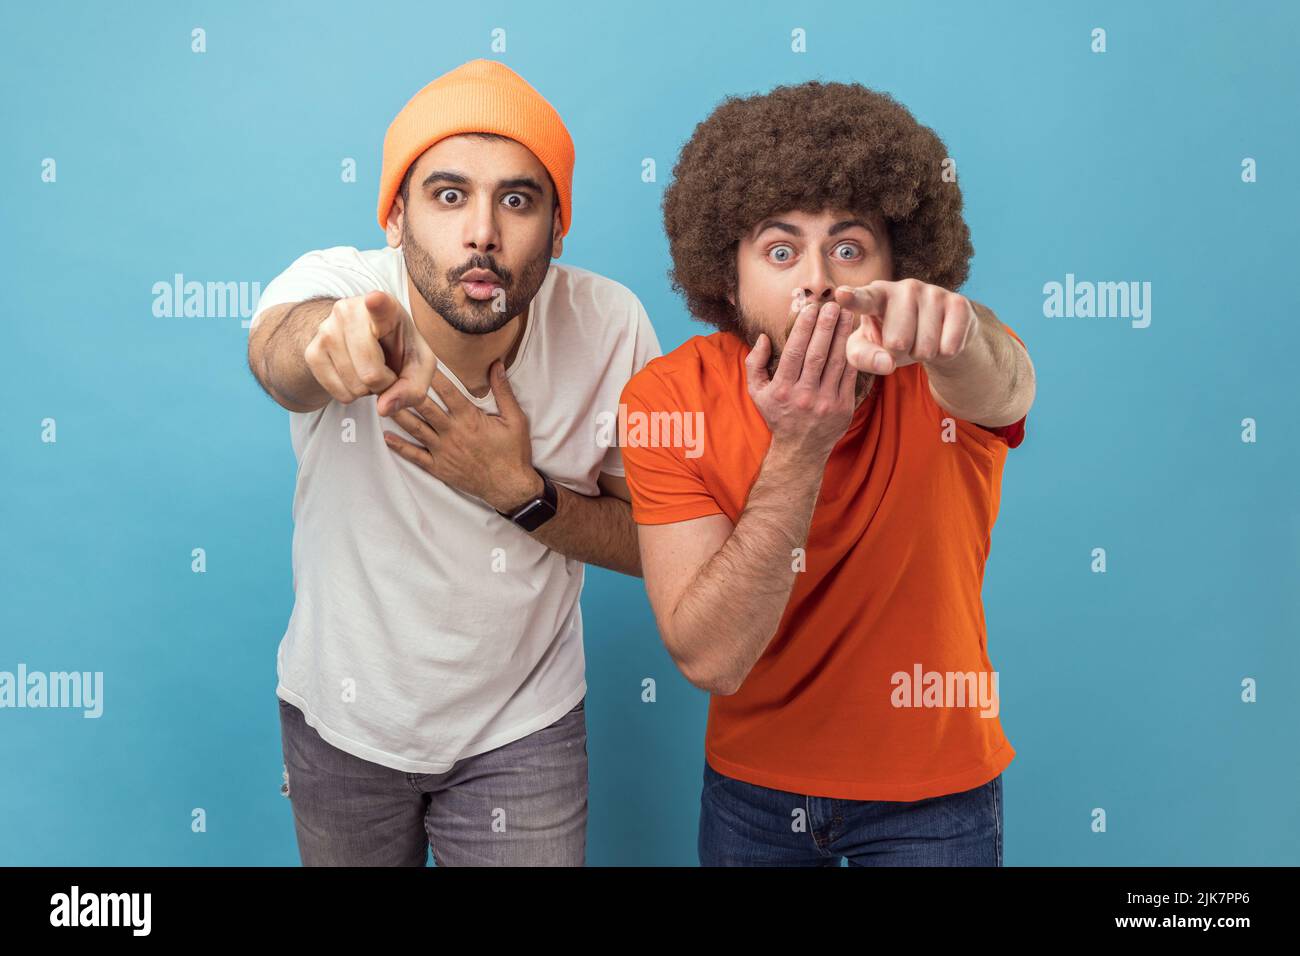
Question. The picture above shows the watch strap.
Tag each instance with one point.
(531, 515)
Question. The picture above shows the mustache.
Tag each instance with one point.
(481, 262)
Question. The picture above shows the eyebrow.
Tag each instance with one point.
(449, 176)
(796, 231)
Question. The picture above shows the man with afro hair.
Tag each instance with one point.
(815, 557)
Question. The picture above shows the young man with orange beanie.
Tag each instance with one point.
(444, 395)
(818, 568)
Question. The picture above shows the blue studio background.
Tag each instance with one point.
(1120, 690)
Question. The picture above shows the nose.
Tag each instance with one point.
(481, 230)
(817, 285)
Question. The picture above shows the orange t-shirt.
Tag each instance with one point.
(887, 610)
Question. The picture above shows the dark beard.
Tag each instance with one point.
(749, 331)
(477, 318)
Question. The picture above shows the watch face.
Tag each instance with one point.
(528, 509)
(535, 514)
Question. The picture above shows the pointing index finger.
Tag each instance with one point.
(869, 299)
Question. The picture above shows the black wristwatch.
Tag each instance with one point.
(531, 515)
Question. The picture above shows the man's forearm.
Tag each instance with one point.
(727, 615)
(991, 382)
(595, 530)
(276, 354)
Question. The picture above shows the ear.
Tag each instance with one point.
(557, 240)
(393, 231)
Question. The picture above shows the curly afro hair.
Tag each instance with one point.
(809, 147)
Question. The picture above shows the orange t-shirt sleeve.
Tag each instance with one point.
(665, 484)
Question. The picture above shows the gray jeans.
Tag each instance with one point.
(522, 804)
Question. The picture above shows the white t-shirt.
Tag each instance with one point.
(425, 626)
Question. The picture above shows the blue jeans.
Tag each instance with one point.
(742, 824)
(522, 804)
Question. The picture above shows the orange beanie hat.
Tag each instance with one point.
(481, 96)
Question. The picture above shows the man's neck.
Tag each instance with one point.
(468, 356)
(862, 387)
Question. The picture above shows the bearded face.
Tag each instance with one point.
(442, 286)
